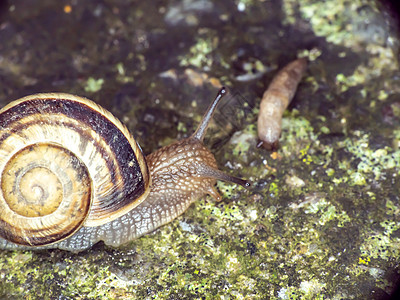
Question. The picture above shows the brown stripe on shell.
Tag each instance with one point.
(86, 136)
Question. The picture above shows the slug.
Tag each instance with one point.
(275, 100)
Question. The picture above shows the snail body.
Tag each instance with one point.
(72, 175)
(275, 100)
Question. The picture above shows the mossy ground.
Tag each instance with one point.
(322, 219)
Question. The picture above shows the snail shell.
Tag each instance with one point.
(72, 175)
(61, 166)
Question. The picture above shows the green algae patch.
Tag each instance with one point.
(298, 134)
(93, 85)
(242, 140)
(370, 164)
(200, 52)
(326, 212)
(27, 269)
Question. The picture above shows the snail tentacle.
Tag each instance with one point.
(205, 121)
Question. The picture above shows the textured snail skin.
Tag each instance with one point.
(275, 100)
(180, 173)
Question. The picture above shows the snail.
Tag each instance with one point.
(275, 100)
(72, 175)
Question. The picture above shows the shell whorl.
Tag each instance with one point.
(80, 153)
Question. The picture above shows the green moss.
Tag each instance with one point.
(241, 141)
(122, 75)
(94, 85)
(298, 136)
(200, 53)
(330, 172)
(182, 127)
(371, 163)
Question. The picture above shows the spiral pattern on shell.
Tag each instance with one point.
(64, 163)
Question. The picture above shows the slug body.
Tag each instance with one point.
(72, 175)
(275, 100)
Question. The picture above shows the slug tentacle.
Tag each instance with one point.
(275, 100)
